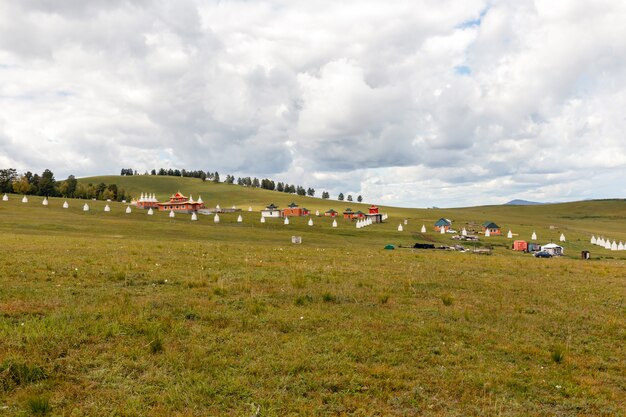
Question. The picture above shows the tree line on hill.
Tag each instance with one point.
(265, 183)
(46, 185)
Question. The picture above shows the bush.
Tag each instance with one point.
(557, 354)
(329, 298)
(447, 299)
(38, 406)
(156, 346)
(13, 373)
(303, 299)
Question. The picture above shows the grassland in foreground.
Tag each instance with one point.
(113, 314)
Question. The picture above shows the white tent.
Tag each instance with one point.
(5, 198)
(400, 228)
(509, 235)
(334, 223)
(86, 207)
(310, 222)
(239, 219)
(44, 202)
(24, 199)
(562, 238)
(128, 210)
(423, 228)
(172, 214)
(286, 220)
(107, 208)
(250, 208)
(487, 232)
(65, 205)
(216, 219)
(614, 246)
(262, 219)
(553, 249)
(150, 211)
(194, 216)
(620, 246)
(464, 232)
(593, 240)
(317, 213)
(534, 236)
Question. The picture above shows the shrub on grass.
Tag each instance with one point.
(329, 298)
(38, 406)
(557, 354)
(303, 299)
(384, 298)
(219, 291)
(156, 345)
(14, 373)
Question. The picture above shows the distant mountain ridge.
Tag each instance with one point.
(518, 202)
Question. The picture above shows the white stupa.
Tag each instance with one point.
(442, 230)
(400, 228)
(620, 246)
(107, 208)
(358, 224)
(600, 241)
(216, 219)
(607, 244)
(334, 223)
(234, 207)
(614, 246)
(250, 208)
(262, 219)
(562, 238)
(86, 207)
(423, 228)
(128, 210)
(286, 220)
(317, 213)
(191, 199)
(593, 240)
(200, 200)
(240, 219)
(217, 207)
(510, 234)
(406, 222)
(172, 214)
(464, 232)
(534, 236)
(487, 233)
(150, 211)
(310, 222)
(194, 216)
(24, 199)
(5, 198)
(65, 205)
(44, 202)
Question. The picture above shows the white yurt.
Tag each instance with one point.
(86, 207)
(194, 216)
(310, 222)
(107, 208)
(240, 219)
(464, 232)
(5, 198)
(24, 199)
(286, 220)
(216, 219)
(509, 235)
(400, 228)
(487, 233)
(534, 236)
(44, 202)
(65, 205)
(562, 238)
(262, 219)
(334, 223)
(423, 228)
(150, 211)
(128, 210)
(172, 214)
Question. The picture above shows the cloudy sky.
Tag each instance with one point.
(413, 103)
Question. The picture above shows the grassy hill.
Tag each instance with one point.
(107, 313)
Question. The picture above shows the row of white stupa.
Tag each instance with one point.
(606, 244)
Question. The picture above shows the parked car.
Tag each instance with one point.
(543, 254)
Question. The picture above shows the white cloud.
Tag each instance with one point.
(412, 103)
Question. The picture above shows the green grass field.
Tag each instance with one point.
(135, 315)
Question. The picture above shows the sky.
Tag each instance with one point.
(414, 103)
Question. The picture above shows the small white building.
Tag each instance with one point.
(271, 211)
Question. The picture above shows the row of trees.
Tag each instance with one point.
(265, 183)
(46, 185)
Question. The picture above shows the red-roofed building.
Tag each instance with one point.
(179, 202)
